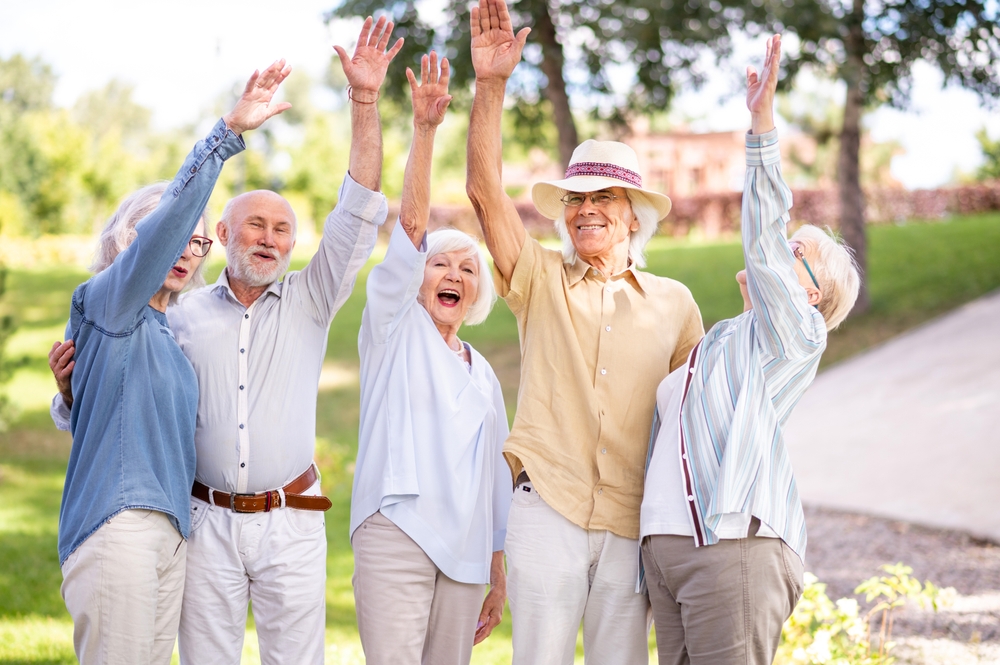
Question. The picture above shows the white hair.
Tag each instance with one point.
(836, 271)
(119, 231)
(645, 213)
(453, 240)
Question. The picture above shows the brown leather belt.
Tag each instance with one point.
(263, 502)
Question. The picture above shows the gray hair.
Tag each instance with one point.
(836, 271)
(119, 231)
(645, 213)
(453, 240)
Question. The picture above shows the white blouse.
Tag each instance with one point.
(432, 431)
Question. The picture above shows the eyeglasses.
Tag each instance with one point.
(599, 199)
(200, 245)
(800, 254)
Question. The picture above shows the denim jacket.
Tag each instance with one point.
(135, 394)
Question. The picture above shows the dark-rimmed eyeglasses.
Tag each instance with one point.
(800, 254)
(599, 199)
(200, 245)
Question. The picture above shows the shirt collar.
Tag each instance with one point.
(578, 270)
(222, 284)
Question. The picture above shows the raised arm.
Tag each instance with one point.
(138, 272)
(496, 50)
(788, 325)
(430, 102)
(365, 72)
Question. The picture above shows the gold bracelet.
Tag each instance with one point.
(351, 97)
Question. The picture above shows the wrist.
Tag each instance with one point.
(231, 124)
(362, 95)
(491, 83)
(761, 123)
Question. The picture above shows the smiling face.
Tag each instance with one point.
(450, 287)
(599, 233)
(182, 272)
(259, 233)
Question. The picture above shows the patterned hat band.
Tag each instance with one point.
(605, 170)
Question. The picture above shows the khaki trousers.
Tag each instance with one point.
(559, 574)
(409, 612)
(723, 604)
(123, 588)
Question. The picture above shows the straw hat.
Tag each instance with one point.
(596, 165)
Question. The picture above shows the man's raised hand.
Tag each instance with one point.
(365, 71)
(496, 50)
(761, 88)
(430, 96)
(254, 105)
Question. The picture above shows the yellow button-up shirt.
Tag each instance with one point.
(593, 351)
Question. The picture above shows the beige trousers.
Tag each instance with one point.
(409, 612)
(559, 574)
(723, 604)
(123, 588)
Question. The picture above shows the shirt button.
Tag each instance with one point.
(242, 350)
(604, 371)
(608, 328)
(241, 425)
(600, 491)
(691, 370)
(241, 387)
(690, 498)
(194, 169)
(246, 316)
(608, 289)
(684, 456)
(604, 451)
(243, 464)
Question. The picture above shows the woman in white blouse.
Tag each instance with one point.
(431, 488)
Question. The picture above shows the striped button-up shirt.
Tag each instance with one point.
(749, 372)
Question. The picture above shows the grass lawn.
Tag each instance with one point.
(917, 272)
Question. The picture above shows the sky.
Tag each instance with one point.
(180, 55)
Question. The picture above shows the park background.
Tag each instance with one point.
(99, 98)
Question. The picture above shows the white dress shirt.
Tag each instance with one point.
(258, 367)
(432, 430)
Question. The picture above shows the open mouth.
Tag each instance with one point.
(448, 297)
(264, 257)
(177, 271)
(590, 227)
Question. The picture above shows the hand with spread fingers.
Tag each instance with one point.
(365, 71)
(254, 105)
(761, 88)
(430, 96)
(496, 50)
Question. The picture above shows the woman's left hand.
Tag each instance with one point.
(492, 612)
(255, 104)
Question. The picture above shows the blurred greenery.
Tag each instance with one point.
(918, 271)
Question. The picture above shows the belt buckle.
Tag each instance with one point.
(232, 502)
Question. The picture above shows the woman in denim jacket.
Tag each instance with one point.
(126, 502)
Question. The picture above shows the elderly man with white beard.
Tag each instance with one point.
(257, 347)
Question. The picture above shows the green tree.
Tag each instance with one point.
(990, 168)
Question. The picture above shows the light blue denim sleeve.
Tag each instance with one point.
(118, 295)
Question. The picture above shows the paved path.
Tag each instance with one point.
(911, 429)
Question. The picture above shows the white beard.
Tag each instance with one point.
(242, 267)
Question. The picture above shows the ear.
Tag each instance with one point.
(222, 232)
(814, 295)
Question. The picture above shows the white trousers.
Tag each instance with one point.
(123, 588)
(277, 560)
(559, 574)
(409, 612)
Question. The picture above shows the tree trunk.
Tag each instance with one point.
(852, 204)
(555, 91)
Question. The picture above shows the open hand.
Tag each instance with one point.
(495, 48)
(430, 96)
(254, 105)
(365, 71)
(61, 363)
(760, 89)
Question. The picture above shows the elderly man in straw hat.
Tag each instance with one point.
(597, 335)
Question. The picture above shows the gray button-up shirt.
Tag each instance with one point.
(258, 367)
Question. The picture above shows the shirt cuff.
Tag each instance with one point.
(762, 149)
(362, 202)
(228, 142)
